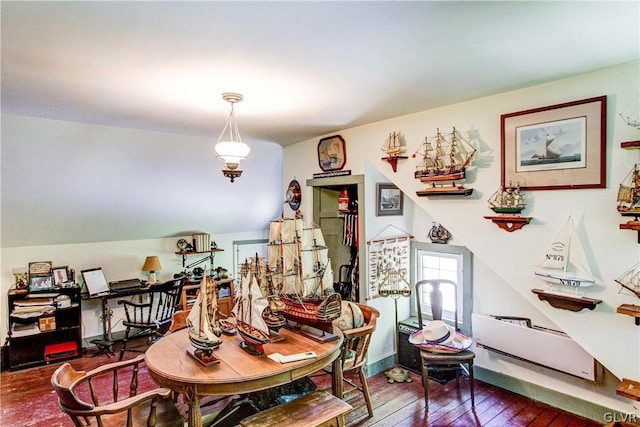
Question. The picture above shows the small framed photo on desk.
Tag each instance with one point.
(40, 283)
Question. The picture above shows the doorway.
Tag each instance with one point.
(347, 260)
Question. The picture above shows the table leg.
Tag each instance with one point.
(337, 386)
(195, 416)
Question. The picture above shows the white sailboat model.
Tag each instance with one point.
(202, 322)
(565, 262)
(250, 303)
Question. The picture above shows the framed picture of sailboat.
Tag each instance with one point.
(556, 147)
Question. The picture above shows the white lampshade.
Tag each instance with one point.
(232, 152)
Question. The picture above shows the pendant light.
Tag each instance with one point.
(231, 150)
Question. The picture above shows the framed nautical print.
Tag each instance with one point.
(557, 147)
(389, 200)
(332, 155)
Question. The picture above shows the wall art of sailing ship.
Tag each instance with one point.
(299, 266)
(443, 165)
(629, 200)
(439, 234)
(393, 148)
(202, 323)
(508, 202)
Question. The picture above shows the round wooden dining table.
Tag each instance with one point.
(238, 372)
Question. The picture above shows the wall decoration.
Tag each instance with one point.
(389, 200)
(332, 154)
(557, 147)
(388, 255)
(294, 195)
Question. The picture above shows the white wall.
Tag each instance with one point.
(504, 261)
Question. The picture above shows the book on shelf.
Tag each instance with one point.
(33, 302)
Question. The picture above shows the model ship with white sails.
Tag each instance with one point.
(630, 280)
(443, 164)
(298, 258)
(202, 322)
(629, 194)
(565, 262)
(394, 147)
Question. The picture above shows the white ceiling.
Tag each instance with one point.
(305, 68)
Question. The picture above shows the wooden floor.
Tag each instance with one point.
(27, 399)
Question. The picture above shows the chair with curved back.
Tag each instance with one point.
(69, 384)
(152, 316)
(353, 356)
(442, 361)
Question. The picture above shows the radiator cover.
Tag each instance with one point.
(551, 349)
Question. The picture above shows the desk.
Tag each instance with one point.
(238, 372)
(107, 341)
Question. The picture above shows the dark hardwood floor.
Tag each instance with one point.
(27, 399)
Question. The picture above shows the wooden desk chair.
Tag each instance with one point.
(153, 315)
(354, 354)
(442, 361)
(67, 383)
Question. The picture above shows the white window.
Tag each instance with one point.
(437, 261)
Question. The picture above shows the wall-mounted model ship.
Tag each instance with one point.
(629, 283)
(629, 200)
(443, 164)
(394, 148)
(508, 202)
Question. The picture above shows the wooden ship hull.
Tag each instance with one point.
(315, 312)
(251, 334)
(508, 211)
(201, 341)
(427, 176)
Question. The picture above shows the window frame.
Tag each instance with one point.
(465, 304)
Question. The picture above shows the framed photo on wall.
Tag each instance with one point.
(332, 153)
(557, 147)
(389, 200)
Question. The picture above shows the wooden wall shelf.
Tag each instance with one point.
(510, 222)
(630, 310)
(393, 161)
(566, 302)
(632, 225)
(630, 145)
(629, 389)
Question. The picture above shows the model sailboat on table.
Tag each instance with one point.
(565, 262)
(202, 323)
(248, 308)
(300, 254)
(443, 164)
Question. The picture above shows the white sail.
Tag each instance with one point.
(565, 262)
(198, 317)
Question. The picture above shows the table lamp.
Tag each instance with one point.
(151, 264)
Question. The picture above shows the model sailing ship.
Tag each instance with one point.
(248, 308)
(629, 195)
(630, 280)
(565, 262)
(508, 200)
(439, 234)
(298, 258)
(393, 148)
(445, 158)
(202, 322)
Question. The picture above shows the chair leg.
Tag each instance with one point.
(425, 386)
(124, 343)
(365, 391)
(473, 401)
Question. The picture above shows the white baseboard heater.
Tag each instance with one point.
(551, 349)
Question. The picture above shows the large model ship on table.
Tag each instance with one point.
(248, 308)
(202, 322)
(297, 256)
(445, 158)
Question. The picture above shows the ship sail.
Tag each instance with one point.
(393, 145)
(201, 321)
(630, 280)
(564, 261)
(629, 193)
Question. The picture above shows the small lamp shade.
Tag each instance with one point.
(151, 264)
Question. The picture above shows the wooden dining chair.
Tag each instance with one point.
(153, 315)
(70, 384)
(442, 361)
(353, 357)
